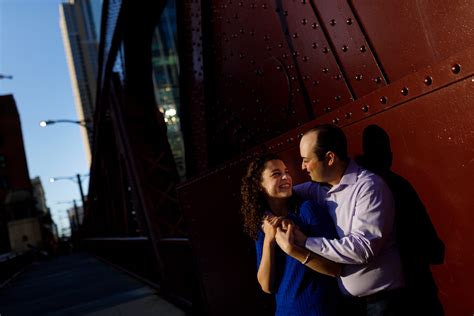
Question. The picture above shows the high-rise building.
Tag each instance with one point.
(79, 21)
(49, 230)
(38, 193)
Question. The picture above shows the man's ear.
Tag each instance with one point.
(330, 158)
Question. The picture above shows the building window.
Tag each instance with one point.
(166, 81)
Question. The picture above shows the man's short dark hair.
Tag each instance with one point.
(330, 138)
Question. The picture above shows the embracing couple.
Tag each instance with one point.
(325, 247)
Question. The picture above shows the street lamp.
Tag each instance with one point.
(2, 76)
(77, 179)
(83, 123)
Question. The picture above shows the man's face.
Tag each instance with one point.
(316, 168)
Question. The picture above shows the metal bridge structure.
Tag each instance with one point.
(254, 75)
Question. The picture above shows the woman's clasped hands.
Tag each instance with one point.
(280, 230)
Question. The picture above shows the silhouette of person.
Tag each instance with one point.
(418, 242)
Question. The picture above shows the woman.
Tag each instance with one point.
(283, 267)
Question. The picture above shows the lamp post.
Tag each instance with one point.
(83, 123)
(77, 179)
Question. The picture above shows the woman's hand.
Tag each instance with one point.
(299, 237)
(285, 238)
(269, 226)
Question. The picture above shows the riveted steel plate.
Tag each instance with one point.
(409, 35)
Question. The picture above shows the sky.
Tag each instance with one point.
(32, 51)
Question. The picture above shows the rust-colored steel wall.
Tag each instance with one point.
(278, 67)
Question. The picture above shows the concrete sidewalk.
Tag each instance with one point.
(79, 284)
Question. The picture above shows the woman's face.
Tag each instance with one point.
(276, 181)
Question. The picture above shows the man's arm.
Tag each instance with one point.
(372, 224)
(284, 239)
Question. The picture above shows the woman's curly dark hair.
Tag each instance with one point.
(253, 198)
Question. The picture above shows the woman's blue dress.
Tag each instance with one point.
(301, 291)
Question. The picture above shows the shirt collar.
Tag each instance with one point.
(349, 177)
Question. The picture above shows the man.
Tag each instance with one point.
(361, 207)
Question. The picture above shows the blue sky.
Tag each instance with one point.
(32, 51)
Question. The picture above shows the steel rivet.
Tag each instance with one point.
(295, 35)
(428, 80)
(377, 80)
(365, 108)
(337, 77)
(316, 101)
(295, 53)
(264, 5)
(344, 48)
(315, 25)
(293, 78)
(241, 4)
(325, 50)
(325, 70)
(252, 33)
(335, 121)
(266, 38)
(280, 45)
(241, 56)
(252, 62)
(383, 100)
(315, 82)
(305, 58)
(456, 68)
(362, 49)
(314, 45)
(253, 5)
(348, 115)
(305, 77)
(349, 21)
(404, 91)
(279, 68)
(327, 109)
(304, 21)
(284, 55)
(358, 77)
(332, 22)
(337, 98)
